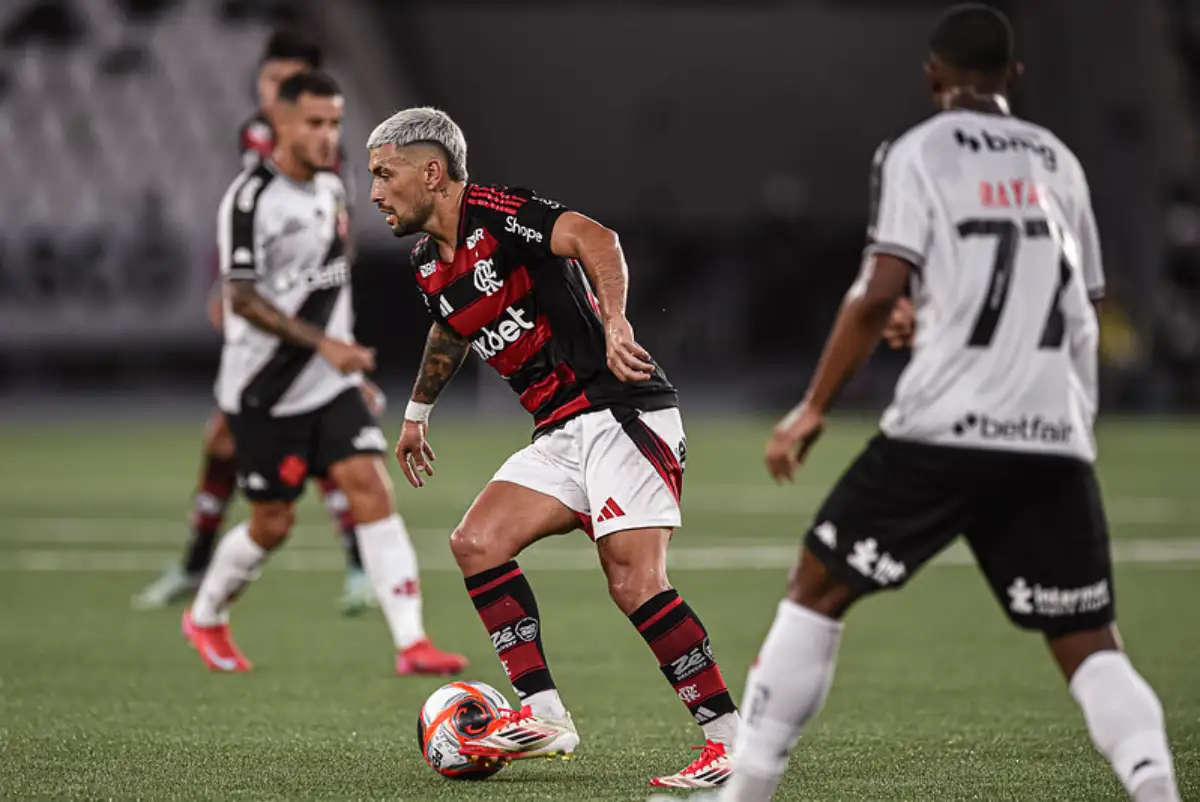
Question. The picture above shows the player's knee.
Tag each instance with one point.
(367, 488)
(811, 585)
(478, 544)
(271, 523)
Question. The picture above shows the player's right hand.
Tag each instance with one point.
(629, 361)
(791, 441)
(347, 357)
(414, 454)
(901, 327)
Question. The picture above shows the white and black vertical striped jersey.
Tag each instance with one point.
(283, 235)
(995, 215)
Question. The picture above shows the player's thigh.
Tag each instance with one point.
(633, 470)
(218, 440)
(894, 509)
(503, 520)
(273, 455)
(1043, 546)
(345, 428)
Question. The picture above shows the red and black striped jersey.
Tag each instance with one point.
(529, 314)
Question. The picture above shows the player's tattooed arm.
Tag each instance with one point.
(599, 250)
(247, 303)
(445, 351)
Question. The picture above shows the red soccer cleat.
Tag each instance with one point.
(215, 646)
(425, 659)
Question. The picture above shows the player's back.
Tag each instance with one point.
(994, 211)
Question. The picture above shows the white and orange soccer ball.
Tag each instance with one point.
(453, 714)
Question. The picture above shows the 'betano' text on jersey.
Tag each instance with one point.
(529, 314)
(283, 235)
(995, 214)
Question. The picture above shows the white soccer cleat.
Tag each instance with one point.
(710, 770)
(520, 735)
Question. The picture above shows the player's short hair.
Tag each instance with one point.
(975, 37)
(425, 125)
(288, 44)
(313, 83)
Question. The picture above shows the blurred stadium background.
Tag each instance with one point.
(728, 142)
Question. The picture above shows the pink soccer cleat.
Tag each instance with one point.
(216, 647)
(426, 660)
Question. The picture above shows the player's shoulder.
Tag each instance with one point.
(256, 132)
(422, 250)
(1062, 154)
(329, 181)
(246, 190)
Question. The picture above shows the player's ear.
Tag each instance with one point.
(933, 74)
(1015, 72)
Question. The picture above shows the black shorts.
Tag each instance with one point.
(276, 455)
(1035, 524)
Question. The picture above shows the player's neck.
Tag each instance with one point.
(292, 167)
(969, 98)
(443, 223)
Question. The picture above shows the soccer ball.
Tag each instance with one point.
(452, 714)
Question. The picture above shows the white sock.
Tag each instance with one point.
(785, 690)
(1125, 720)
(235, 565)
(546, 704)
(391, 565)
(723, 730)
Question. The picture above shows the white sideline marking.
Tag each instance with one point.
(1172, 553)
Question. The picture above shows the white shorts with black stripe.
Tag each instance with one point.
(616, 468)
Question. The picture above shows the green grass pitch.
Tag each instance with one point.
(936, 696)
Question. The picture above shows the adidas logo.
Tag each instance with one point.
(609, 511)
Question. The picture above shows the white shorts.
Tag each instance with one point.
(615, 474)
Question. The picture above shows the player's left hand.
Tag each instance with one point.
(374, 397)
(216, 308)
(901, 326)
(629, 361)
(791, 441)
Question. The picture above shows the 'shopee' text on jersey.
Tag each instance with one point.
(283, 236)
(529, 314)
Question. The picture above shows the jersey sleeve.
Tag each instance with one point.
(900, 214)
(239, 243)
(1091, 262)
(524, 219)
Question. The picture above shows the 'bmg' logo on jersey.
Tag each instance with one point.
(1001, 143)
(1025, 429)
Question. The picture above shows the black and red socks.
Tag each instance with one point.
(680, 643)
(505, 602)
(208, 511)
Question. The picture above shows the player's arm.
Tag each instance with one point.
(898, 233)
(599, 250)
(856, 332)
(445, 352)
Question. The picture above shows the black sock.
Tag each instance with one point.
(208, 511)
(350, 544)
(680, 643)
(504, 600)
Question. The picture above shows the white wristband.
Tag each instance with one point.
(417, 412)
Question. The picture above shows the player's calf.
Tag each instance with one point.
(391, 564)
(1123, 714)
(239, 559)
